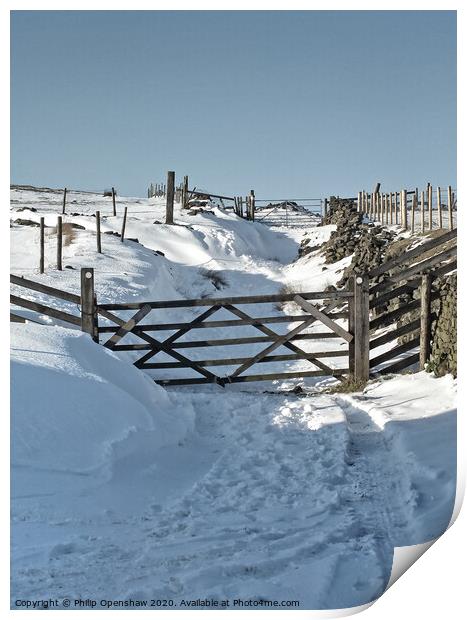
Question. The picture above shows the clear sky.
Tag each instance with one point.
(288, 103)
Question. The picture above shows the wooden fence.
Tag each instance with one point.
(370, 329)
(402, 276)
(414, 210)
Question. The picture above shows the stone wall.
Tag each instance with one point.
(372, 245)
(443, 359)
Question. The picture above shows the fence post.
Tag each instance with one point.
(362, 329)
(252, 205)
(422, 211)
(425, 319)
(169, 208)
(185, 192)
(113, 201)
(451, 225)
(88, 304)
(59, 242)
(64, 201)
(440, 211)
(325, 207)
(429, 190)
(414, 206)
(404, 209)
(122, 236)
(41, 245)
(98, 231)
(351, 326)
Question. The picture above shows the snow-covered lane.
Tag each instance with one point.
(122, 489)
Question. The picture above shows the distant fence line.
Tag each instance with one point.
(425, 210)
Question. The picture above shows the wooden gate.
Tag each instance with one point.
(307, 314)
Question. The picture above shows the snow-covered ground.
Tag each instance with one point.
(124, 490)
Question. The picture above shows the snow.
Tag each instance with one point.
(124, 490)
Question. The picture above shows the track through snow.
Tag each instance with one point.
(258, 502)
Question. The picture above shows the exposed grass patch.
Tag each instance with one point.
(218, 280)
(347, 386)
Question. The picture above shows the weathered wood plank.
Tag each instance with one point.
(400, 365)
(361, 329)
(393, 334)
(251, 299)
(390, 317)
(425, 319)
(16, 318)
(59, 242)
(169, 341)
(41, 244)
(418, 268)
(42, 309)
(169, 207)
(252, 321)
(42, 288)
(122, 234)
(127, 327)
(241, 360)
(98, 232)
(395, 352)
(246, 378)
(411, 254)
(265, 330)
(323, 318)
(401, 290)
(88, 304)
(194, 344)
(279, 342)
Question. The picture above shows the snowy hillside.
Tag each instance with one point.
(124, 490)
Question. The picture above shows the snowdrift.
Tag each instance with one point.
(74, 402)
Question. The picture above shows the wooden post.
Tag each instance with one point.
(88, 304)
(252, 205)
(440, 210)
(372, 206)
(429, 198)
(362, 329)
(64, 201)
(169, 209)
(359, 201)
(59, 242)
(185, 192)
(391, 208)
(386, 199)
(41, 245)
(414, 206)
(98, 231)
(451, 225)
(113, 202)
(404, 221)
(351, 325)
(122, 236)
(422, 211)
(425, 319)
(325, 207)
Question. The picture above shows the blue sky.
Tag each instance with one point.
(289, 103)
